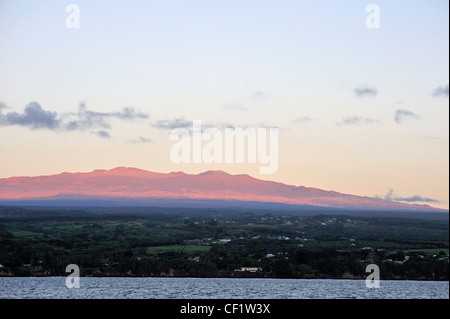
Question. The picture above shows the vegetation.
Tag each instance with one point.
(222, 242)
(188, 249)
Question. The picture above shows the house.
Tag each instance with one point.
(196, 258)
(248, 269)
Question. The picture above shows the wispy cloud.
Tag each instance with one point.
(441, 91)
(428, 137)
(102, 134)
(415, 198)
(303, 120)
(87, 119)
(259, 95)
(35, 117)
(402, 115)
(141, 140)
(357, 120)
(171, 124)
(181, 122)
(365, 91)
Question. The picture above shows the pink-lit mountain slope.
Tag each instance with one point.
(132, 183)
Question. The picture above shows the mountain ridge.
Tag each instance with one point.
(133, 183)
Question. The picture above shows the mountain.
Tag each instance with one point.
(132, 185)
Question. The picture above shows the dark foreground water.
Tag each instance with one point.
(217, 288)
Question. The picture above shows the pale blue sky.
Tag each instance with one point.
(240, 62)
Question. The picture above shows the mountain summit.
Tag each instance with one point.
(125, 183)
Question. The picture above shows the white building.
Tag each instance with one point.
(249, 269)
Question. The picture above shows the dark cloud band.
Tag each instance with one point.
(415, 198)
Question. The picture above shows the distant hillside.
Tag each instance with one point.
(130, 186)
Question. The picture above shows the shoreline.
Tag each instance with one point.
(223, 277)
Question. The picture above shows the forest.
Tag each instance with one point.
(189, 242)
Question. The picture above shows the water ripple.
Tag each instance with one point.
(217, 288)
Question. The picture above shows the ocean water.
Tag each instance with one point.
(216, 288)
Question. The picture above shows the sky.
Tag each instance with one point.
(360, 97)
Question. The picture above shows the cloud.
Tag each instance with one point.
(402, 115)
(33, 116)
(144, 139)
(2, 106)
(171, 124)
(389, 195)
(86, 119)
(128, 113)
(181, 122)
(141, 139)
(259, 95)
(303, 120)
(102, 134)
(415, 198)
(234, 107)
(357, 120)
(427, 137)
(365, 91)
(441, 91)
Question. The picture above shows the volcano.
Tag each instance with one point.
(132, 186)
